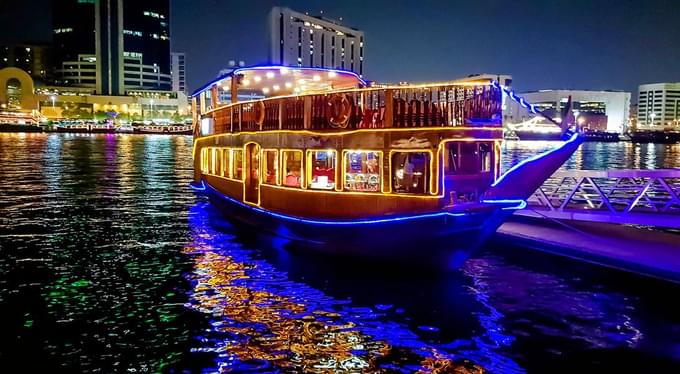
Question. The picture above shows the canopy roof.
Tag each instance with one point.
(268, 81)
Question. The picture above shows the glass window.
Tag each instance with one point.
(237, 163)
(213, 161)
(322, 170)
(292, 166)
(485, 157)
(270, 169)
(410, 172)
(226, 163)
(362, 171)
(204, 160)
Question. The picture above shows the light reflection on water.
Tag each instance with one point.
(108, 263)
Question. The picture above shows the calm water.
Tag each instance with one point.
(108, 263)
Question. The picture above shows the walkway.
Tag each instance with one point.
(645, 251)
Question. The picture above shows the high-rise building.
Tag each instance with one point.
(297, 39)
(178, 67)
(113, 46)
(658, 105)
(32, 58)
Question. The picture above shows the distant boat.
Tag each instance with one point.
(655, 136)
(173, 129)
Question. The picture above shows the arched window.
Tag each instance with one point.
(13, 90)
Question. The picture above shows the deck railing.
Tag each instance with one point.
(428, 106)
(643, 197)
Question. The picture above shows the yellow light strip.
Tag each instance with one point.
(349, 132)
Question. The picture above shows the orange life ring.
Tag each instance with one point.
(258, 112)
(338, 110)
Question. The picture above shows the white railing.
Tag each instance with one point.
(642, 197)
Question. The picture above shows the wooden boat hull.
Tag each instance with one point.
(440, 238)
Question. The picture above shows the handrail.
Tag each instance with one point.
(436, 105)
(645, 197)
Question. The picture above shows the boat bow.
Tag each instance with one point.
(526, 177)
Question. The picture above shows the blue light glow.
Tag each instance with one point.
(573, 138)
(520, 205)
(522, 101)
(200, 187)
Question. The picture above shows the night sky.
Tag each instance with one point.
(604, 44)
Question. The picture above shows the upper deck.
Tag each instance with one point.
(326, 100)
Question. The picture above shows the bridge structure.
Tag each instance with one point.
(634, 197)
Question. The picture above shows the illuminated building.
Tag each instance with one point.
(298, 39)
(659, 105)
(179, 75)
(112, 46)
(31, 58)
(18, 94)
(594, 110)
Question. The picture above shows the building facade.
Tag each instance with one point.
(593, 110)
(658, 106)
(31, 58)
(178, 66)
(113, 46)
(297, 39)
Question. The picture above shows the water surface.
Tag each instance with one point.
(108, 263)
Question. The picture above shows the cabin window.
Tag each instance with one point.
(226, 163)
(213, 161)
(485, 157)
(322, 172)
(292, 167)
(204, 160)
(410, 172)
(362, 171)
(270, 169)
(237, 164)
(466, 158)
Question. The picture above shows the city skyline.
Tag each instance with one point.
(596, 46)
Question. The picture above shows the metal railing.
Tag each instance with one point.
(642, 197)
(420, 106)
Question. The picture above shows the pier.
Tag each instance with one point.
(625, 219)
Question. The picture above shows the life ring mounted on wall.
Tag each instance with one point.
(338, 110)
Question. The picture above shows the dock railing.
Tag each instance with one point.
(639, 197)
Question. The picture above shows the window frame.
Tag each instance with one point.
(233, 159)
(381, 170)
(303, 184)
(431, 190)
(308, 175)
(263, 162)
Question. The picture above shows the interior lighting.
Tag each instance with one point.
(257, 78)
(270, 74)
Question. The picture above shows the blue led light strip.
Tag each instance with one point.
(522, 101)
(521, 204)
(573, 138)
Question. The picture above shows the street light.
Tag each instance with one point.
(151, 102)
(53, 99)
